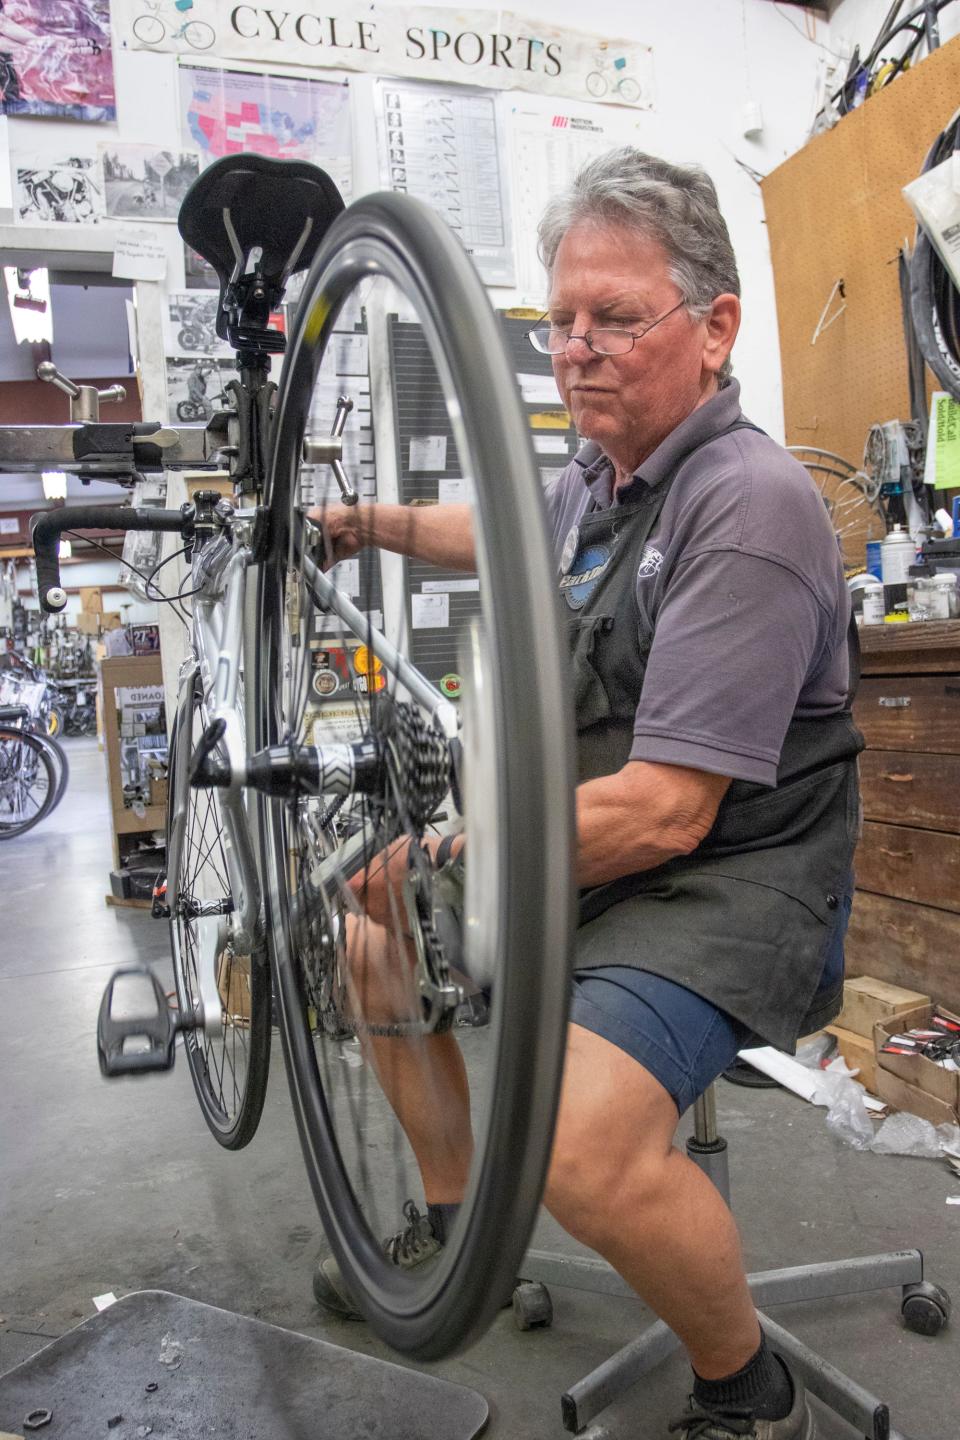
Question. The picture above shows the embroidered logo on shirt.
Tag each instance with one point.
(650, 562)
(583, 576)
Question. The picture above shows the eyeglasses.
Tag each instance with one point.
(554, 339)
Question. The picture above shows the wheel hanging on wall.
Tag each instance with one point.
(934, 299)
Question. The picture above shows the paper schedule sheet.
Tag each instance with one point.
(430, 612)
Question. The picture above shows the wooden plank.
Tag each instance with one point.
(910, 712)
(910, 945)
(910, 864)
(909, 649)
(900, 788)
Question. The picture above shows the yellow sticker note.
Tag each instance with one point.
(549, 420)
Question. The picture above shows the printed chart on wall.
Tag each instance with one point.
(225, 112)
(441, 603)
(548, 148)
(555, 442)
(441, 144)
(56, 59)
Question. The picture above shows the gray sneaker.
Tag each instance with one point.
(702, 1422)
(410, 1247)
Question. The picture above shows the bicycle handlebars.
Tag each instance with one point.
(47, 528)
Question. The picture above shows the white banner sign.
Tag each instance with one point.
(494, 48)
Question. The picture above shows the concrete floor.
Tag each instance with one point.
(119, 1186)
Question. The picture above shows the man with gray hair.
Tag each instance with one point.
(717, 792)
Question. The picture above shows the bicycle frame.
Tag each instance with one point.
(219, 574)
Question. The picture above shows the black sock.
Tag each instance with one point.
(441, 1219)
(763, 1386)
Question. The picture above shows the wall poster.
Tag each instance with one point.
(143, 183)
(56, 59)
(59, 192)
(441, 144)
(498, 49)
(225, 112)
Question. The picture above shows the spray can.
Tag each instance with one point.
(897, 553)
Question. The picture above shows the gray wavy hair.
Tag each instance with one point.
(674, 204)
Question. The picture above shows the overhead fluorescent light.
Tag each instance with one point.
(54, 484)
(28, 292)
(65, 550)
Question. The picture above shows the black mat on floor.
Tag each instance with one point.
(237, 1379)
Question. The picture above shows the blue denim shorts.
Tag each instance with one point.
(684, 1041)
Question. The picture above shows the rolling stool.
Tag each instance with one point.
(925, 1309)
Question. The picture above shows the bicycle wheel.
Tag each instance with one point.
(149, 30)
(212, 959)
(28, 782)
(61, 765)
(469, 718)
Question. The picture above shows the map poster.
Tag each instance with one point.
(226, 112)
(56, 59)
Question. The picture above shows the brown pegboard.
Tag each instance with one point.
(835, 211)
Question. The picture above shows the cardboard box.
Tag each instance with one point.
(91, 599)
(859, 1054)
(233, 982)
(901, 1096)
(916, 1070)
(867, 1001)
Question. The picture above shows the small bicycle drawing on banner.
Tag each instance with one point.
(609, 73)
(151, 30)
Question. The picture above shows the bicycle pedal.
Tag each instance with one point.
(151, 1037)
(160, 910)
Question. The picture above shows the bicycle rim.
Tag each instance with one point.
(61, 766)
(28, 782)
(338, 1024)
(229, 1069)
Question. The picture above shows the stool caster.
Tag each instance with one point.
(532, 1306)
(925, 1308)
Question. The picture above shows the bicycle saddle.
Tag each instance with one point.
(244, 203)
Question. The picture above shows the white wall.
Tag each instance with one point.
(709, 59)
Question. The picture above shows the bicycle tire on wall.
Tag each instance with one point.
(398, 237)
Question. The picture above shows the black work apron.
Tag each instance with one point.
(745, 919)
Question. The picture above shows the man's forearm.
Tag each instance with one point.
(439, 534)
(641, 817)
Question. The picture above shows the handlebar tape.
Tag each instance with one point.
(47, 527)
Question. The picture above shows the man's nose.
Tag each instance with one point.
(578, 352)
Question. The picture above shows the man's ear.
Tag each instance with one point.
(722, 325)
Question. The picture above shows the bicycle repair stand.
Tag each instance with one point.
(159, 1363)
(925, 1309)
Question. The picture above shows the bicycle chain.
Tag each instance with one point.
(419, 770)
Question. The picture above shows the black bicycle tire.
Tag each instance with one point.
(238, 1134)
(479, 1265)
(62, 764)
(10, 832)
(924, 311)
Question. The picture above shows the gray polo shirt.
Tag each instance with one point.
(743, 581)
